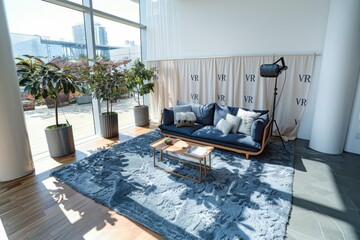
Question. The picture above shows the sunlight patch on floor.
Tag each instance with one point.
(59, 194)
(3, 235)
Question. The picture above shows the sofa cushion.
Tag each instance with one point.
(257, 128)
(185, 131)
(185, 119)
(204, 113)
(238, 140)
(224, 126)
(168, 116)
(235, 122)
(183, 108)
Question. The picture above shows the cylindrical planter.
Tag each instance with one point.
(141, 115)
(60, 140)
(84, 99)
(109, 125)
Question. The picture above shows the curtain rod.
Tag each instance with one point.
(267, 55)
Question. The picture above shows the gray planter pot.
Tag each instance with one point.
(109, 125)
(60, 141)
(84, 99)
(141, 115)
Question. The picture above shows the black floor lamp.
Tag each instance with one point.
(273, 71)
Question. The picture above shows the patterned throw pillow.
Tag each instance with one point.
(224, 126)
(185, 119)
(178, 109)
(245, 126)
(247, 118)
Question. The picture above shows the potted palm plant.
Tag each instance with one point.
(138, 80)
(44, 80)
(106, 81)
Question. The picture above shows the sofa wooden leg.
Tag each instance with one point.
(247, 156)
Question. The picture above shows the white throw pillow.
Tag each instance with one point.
(243, 113)
(224, 126)
(235, 121)
(245, 126)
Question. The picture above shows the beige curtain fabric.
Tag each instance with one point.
(235, 81)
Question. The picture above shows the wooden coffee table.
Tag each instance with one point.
(179, 148)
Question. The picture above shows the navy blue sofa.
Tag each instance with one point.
(204, 131)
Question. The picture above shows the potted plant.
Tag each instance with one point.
(138, 79)
(44, 80)
(76, 68)
(106, 81)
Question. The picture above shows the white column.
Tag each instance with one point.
(338, 77)
(15, 159)
(352, 143)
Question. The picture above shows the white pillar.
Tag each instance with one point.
(15, 159)
(338, 77)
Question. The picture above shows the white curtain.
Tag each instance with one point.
(236, 81)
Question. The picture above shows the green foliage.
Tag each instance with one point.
(44, 80)
(138, 79)
(106, 79)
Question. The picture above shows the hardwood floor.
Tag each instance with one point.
(40, 207)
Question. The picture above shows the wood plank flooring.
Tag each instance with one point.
(40, 207)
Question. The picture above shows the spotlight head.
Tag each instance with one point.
(269, 70)
(272, 70)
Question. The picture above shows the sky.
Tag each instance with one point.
(36, 17)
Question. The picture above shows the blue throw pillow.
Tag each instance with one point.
(257, 128)
(168, 116)
(204, 113)
(233, 110)
(220, 112)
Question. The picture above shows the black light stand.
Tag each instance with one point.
(273, 70)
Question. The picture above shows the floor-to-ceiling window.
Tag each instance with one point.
(60, 28)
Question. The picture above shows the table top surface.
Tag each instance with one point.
(179, 147)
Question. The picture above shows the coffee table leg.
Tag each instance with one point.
(210, 161)
(154, 156)
(205, 167)
(200, 172)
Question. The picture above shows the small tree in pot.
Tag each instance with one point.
(76, 68)
(106, 80)
(138, 79)
(44, 80)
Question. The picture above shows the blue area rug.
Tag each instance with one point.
(239, 199)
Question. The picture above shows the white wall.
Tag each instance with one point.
(207, 28)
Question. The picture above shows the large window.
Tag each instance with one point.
(122, 40)
(52, 28)
(42, 29)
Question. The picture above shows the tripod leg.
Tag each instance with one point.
(277, 128)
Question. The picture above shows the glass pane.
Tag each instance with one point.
(46, 30)
(43, 29)
(128, 9)
(76, 1)
(115, 40)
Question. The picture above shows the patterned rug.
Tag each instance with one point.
(239, 199)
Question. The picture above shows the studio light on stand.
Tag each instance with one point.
(273, 71)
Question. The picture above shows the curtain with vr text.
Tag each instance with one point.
(236, 81)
